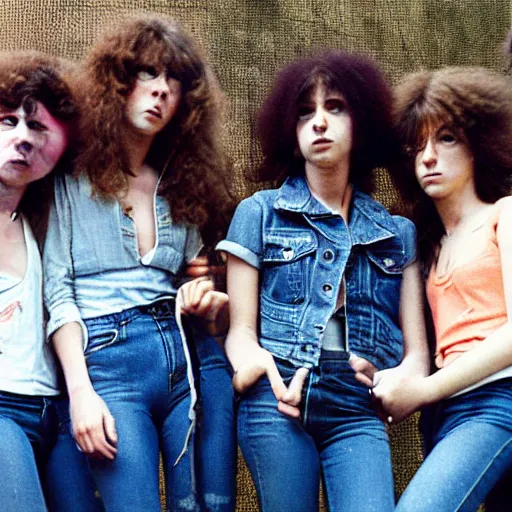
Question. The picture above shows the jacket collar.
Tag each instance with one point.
(369, 220)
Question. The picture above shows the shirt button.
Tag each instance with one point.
(328, 255)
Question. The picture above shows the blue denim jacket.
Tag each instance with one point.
(303, 250)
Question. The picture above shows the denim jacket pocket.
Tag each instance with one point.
(287, 256)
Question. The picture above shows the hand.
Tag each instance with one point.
(364, 370)
(262, 362)
(93, 426)
(198, 298)
(200, 267)
(397, 393)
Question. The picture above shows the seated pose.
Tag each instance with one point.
(37, 116)
(317, 271)
(455, 125)
(149, 189)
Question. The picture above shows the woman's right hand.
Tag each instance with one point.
(259, 362)
(93, 426)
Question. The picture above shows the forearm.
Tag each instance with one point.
(488, 357)
(240, 342)
(68, 344)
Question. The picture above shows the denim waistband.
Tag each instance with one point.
(336, 355)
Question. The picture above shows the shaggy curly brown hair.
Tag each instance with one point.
(26, 78)
(368, 98)
(474, 102)
(187, 151)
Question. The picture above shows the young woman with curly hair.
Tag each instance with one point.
(149, 189)
(455, 126)
(37, 120)
(317, 271)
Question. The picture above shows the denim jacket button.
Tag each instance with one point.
(288, 253)
(328, 255)
(388, 262)
(327, 288)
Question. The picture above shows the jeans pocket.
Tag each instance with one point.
(101, 341)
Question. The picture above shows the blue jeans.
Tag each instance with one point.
(69, 481)
(339, 436)
(137, 365)
(468, 440)
(28, 428)
(216, 446)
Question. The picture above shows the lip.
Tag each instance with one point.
(322, 140)
(19, 161)
(155, 112)
(433, 176)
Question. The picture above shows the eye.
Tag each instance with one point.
(447, 137)
(147, 73)
(32, 124)
(7, 122)
(335, 106)
(305, 112)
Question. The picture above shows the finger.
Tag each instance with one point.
(275, 379)
(101, 446)
(363, 379)
(198, 267)
(109, 424)
(288, 409)
(293, 395)
(85, 442)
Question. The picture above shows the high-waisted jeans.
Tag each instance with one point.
(468, 442)
(339, 436)
(28, 428)
(137, 364)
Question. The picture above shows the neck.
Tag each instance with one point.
(137, 148)
(330, 185)
(9, 202)
(457, 211)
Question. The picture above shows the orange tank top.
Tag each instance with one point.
(468, 303)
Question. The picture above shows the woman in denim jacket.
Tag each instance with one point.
(38, 118)
(455, 125)
(320, 273)
(149, 189)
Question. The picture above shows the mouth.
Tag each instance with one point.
(19, 161)
(322, 140)
(155, 112)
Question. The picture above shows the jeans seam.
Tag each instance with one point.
(482, 474)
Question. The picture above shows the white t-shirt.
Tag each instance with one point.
(27, 366)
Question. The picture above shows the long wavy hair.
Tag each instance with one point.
(194, 169)
(368, 98)
(477, 104)
(27, 78)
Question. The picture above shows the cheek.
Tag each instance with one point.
(54, 148)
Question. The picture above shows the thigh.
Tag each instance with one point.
(178, 450)
(353, 443)
(460, 470)
(281, 455)
(130, 481)
(69, 482)
(20, 487)
(216, 447)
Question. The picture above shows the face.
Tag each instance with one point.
(324, 129)
(30, 145)
(153, 102)
(445, 165)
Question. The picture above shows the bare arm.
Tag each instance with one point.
(249, 360)
(93, 425)
(488, 357)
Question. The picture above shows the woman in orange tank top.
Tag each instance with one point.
(455, 126)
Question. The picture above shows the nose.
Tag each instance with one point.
(319, 121)
(24, 139)
(160, 87)
(429, 154)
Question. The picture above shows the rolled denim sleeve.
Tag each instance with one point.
(407, 231)
(244, 235)
(59, 293)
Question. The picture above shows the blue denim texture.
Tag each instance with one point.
(339, 436)
(137, 364)
(216, 441)
(302, 250)
(468, 442)
(72, 488)
(28, 426)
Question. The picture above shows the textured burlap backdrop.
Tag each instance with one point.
(246, 40)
